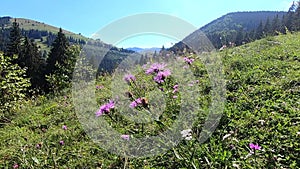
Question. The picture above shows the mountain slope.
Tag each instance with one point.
(44, 34)
(226, 28)
(28, 24)
(236, 20)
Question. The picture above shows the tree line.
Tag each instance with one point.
(46, 74)
(45, 37)
(290, 22)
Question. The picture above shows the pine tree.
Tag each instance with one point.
(58, 53)
(14, 45)
(296, 18)
(267, 28)
(31, 58)
(61, 63)
(288, 20)
(259, 31)
(276, 25)
(239, 37)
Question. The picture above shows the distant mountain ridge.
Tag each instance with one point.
(143, 50)
(226, 28)
(234, 20)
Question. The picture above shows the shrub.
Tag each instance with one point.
(13, 85)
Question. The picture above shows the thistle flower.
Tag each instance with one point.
(105, 109)
(254, 146)
(135, 103)
(161, 76)
(188, 60)
(155, 68)
(129, 78)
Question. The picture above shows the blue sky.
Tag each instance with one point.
(89, 16)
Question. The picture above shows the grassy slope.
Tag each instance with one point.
(262, 107)
(28, 24)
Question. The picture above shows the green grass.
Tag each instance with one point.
(28, 24)
(262, 106)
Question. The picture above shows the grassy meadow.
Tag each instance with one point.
(259, 128)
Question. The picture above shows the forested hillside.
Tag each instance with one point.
(41, 33)
(237, 28)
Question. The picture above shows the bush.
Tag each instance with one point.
(13, 85)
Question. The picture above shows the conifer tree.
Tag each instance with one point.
(267, 27)
(259, 31)
(60, 63)
(14, 45)
(58, 53)
(31, 58)
(239, 37)
(288, 20)
(296, 18)
(276, 25)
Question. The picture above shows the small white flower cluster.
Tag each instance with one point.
(186, 134)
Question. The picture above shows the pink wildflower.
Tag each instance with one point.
(125, 137)
(15, 166)
(188, 60)
(105, 109)
(64, 127)
(161, 76)
(175, 87)
(129, 78)
(136, 103)
(254, 146)
(155, 68)
(61, 142)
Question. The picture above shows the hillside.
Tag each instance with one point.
(262, 107)
(44, 34)
(226, 28)
(236, 20)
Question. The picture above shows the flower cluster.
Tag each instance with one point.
(155, 68)
(188, 60)
(105, 109)
(160, 72)
(161, 76)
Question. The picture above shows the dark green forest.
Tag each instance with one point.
(235, 29)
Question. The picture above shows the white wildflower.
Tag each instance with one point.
(187, 134)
